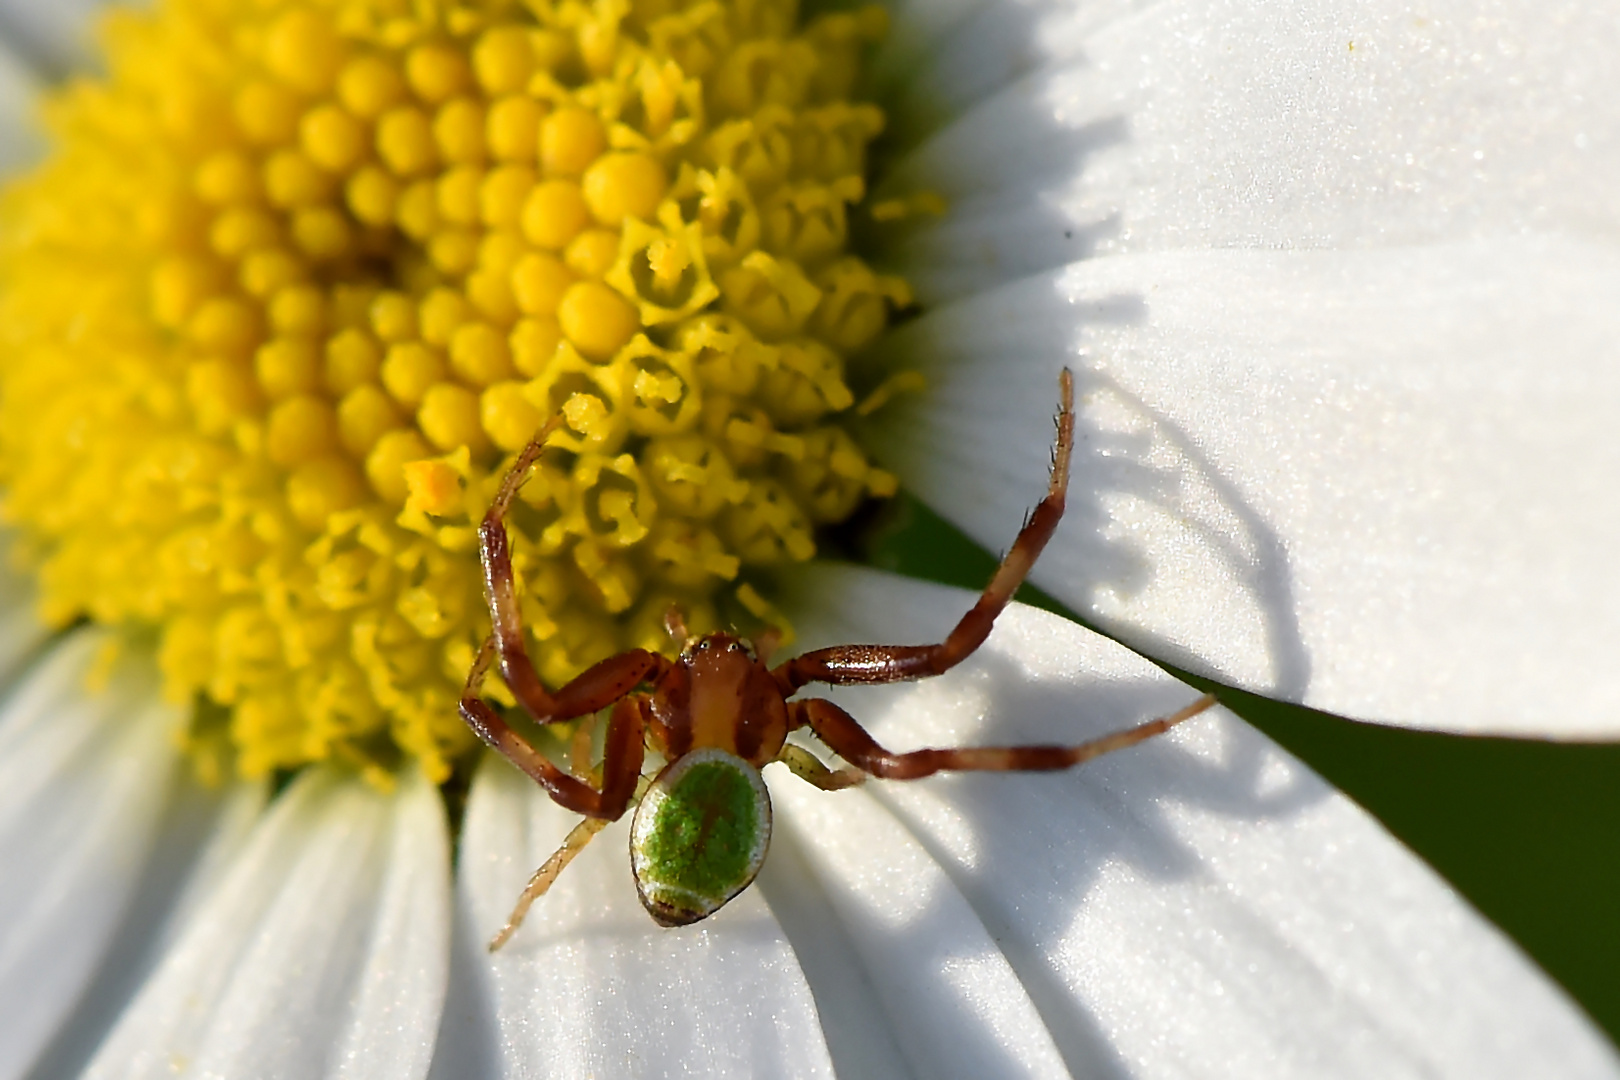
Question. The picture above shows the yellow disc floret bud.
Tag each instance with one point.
(301, 277)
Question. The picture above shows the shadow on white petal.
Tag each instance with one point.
(1201, 905)
(83, 781)
(469, 1040)
(1003, 221)
(1361, 481)
(916, 26)
(322, 951)
(591, 986)
(946, 992)
(975, 447)
(22, 634)
(52, 37)
(20, 141)
(854, 1019)
(199, 836)
(1371, 482)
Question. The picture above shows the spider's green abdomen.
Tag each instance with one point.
(699, 836)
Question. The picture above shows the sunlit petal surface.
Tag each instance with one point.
(1356, 465)
(1375, 481)
(1202, 905)
(322, 952)
(1241, 125)
(83, 780)
(1356, 455)
(591, 986)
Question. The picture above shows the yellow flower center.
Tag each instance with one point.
(300, 278)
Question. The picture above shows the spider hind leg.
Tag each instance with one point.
(543, 878)
(845, 736)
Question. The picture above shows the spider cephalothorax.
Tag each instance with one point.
(718, 713)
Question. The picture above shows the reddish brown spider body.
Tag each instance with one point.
(718, 713)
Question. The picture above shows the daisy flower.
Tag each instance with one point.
(298, 278)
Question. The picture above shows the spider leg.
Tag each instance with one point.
(844, 734)
(543, 877)
(809, 768)
(579, 748)
(595, 688)
(845, 664)
(675, 626)
(622, 755)
(767, 643)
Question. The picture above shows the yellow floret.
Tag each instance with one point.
(301, 278)
(405, 140)
(437, 71)
(596, 319)
(513, 127)
(571, 139)
(303, 50)
(434, 487)
(539, 281)
(369, 86)
(554, 212)
(619, 186)
(332, 138)
(504, 59)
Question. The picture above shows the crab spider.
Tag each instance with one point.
(718, 713)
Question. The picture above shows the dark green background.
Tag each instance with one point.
(1525, 830)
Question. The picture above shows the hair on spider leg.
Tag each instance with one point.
(719, 713)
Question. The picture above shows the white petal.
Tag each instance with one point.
(19, 135)
(1202, 905)
(939, 60)
(21, 631)
(201, 831)
(399, 995)
(83, 780)
(915, 29)
(54, 34)
(591, 986)
(1379, 483)
(323, 951)
(1323, 125)
(953, 1004)
(855, 1022)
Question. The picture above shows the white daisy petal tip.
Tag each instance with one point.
(1371, 482)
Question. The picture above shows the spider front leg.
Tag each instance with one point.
(598, 686)
(623, 752)
(845, 736)
(845, 664)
